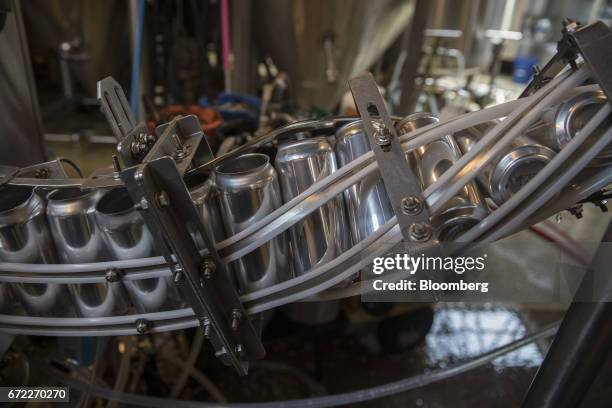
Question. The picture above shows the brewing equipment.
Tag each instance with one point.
(203, 213)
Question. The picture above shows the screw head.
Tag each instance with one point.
(205, 324)
(113, 275)
(383, 136)
(412, 205)
(236, 317)
(143, 326)
(143, 205)
(420, 231)
(208, 268)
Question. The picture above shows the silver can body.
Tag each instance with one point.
(205, 197)
(467, 208)
(248, 191)
(78, 239)
(572, 115)
(322, 235)
(510, 170)
(127, 237)
(25, 238)
(368, 206)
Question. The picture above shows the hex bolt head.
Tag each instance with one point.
(412, 205)
(383, 136)
(143, 326)
(113, 275)
(143, 205)
(420, 231)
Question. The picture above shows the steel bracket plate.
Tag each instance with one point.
(400, 182)
(594, 42)
(158, 188)
(52, 169)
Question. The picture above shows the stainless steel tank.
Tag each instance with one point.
(248, 191)
(467, 208)
(127, 237)
(78, 239)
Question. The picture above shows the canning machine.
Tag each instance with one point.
(171, 237)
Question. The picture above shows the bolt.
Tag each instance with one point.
(181, 151)
(205, 324)
(42, 173)
(420, 231)
(383, 136)
(116, 167)
(143, 205)
(208, 267)
(603, 205)
(143, 326)
(576, 211)
(412, 205)
(221, 352)
(163, 199)
(113, 275)
(236, 317)
(178, 274)
(240, 350)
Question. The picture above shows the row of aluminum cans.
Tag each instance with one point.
(73, 226)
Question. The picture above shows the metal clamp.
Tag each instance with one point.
(173, 220)
(402, 185)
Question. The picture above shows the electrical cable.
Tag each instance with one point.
(201, 378)
(352, 397)
(71, 164)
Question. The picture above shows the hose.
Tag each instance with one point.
(201, 378)
(124, 369)
(352, 397)
(538, 179)
(194, 352)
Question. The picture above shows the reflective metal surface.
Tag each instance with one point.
(127, 237)
(323, 235)
(465, 209)
(572, 116)
(25, 238)
(78, 239)
(249, 190)
(513, 168)
(368, 206)
(205, 198)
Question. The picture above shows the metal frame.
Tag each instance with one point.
(402, 185)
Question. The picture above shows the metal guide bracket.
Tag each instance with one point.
(401, 183)
(52, 169)
(158, 188)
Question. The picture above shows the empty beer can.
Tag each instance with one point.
(25, 238)
(322, 235)
(78, 239)
(572, 115)
(127, 237)
(248, 191)
(368, 206)
(467, 208)
(510, 170)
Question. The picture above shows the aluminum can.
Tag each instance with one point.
(127, 237)
(467, 208)
(78, 239)
(248, 191)
(25, 238)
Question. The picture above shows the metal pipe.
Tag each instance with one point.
(582, 344)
